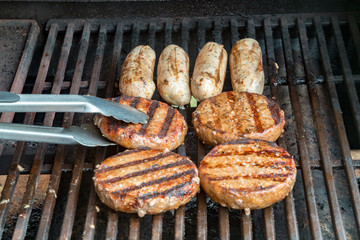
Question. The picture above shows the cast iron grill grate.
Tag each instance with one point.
(318, 58)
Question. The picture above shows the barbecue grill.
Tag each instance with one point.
(312, 69)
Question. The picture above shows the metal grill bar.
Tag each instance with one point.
(251, 28)
(157, 220)
(17, 87)
(356, 36)
(134, 230)
(246, 218)
(112, 225)
(224, 227)
(234, 31)
(81, 151)
(246, 226)
(344, 144)
(251, 31)
(135, 35)
(168, 33)
(300, 132)
(201, 222)
(67, 85)
(9, 187)
(176, 22)
(99, 56)
(11, 180)
(90, 222)
(349, 82)
(157, 225)
(282, 81)
(268, 212)
(111, 230)
(320, 131)
(180, 223)
(89, 230)
(27, 203)
(201, 35)
(65, 51)
(115, 61)
(84, 44)
(269, 223)
(180, 212)
(73, 195)
(61, 151)
(134, 226)
(152, 31)
(217, 31)
(66, 228)
(272, 75)
(21, 73)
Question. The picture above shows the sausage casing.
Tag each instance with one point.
(137, 73)
(173, 76)
(209, 71)
(246, 67)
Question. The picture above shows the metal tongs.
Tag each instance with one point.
(87, 135)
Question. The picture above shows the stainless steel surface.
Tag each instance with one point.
(8, 97)
(69, 103)
(86, 135)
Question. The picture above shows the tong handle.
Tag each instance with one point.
(10, 102)
(31, 133)
(46, 103)
(86, 135)
(8, 97)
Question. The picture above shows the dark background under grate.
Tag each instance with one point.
(319, 60)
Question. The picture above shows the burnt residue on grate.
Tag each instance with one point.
(317, 86)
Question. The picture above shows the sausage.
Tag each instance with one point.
(209, 71)
(246, 68)
(173, 76)
(137, 73)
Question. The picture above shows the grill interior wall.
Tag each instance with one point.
(93, 66)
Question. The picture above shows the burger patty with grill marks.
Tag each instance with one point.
(166, 128)
(146, 181)
(247, 173)
(234, 115)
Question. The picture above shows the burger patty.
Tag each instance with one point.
(166, 128)
(247, 173)
(234, 115)
(146, 181)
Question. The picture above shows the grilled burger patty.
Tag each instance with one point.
(146, 181)
(166, 128)
(234, 115)
(247, 173)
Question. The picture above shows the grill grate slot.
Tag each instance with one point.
(90, 54)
